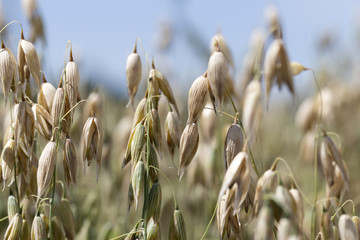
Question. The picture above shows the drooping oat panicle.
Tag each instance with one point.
(223, 47)
(24, 125)
(25, 230)
(347, 228)
(356, 221)
(137, 181)
(237, 173)
(57, 228)
(7, 70)
(43, 121)
(72, 81)
(166, 90)
(189, 143)
(13, 231)
(307, 115)
(177, 226)
(46, 95)
(217, 74)
(297, 68)
(92, 139)
(47, 163)
(38, 229)
(154, 204)
(265, 224)
(172, 132)
(12, 207)
(137, 143)
(133, 74)
(333, 154)
(27, 55)
(234, 143)
(252, 108)
(70, 161)
(59, 108)
(197, 98)
(327, 225)
(7, 161)
(299, 213)
(139, 112)
(277, 68)
(67, 218)
(153, 163)
(153, 230)
(208, 124)
(273, 21)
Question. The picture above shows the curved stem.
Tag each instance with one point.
(4, 218)
(71, 109)
(224, 113)
(126, 234)
(168, 180)
(320, 94)
(15, 21)
(349, 200)
(293, 178)
(208, 226)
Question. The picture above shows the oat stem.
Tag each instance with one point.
(212, 218)
(4, 218)
(313, 217)
(126, 234)
(337, 211)
(168, 180)
(10, 24)
(51, 203)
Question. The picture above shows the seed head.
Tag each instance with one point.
(67, 218)
(92, 139)
(197, 99)
(13, 231)
(38, 229)
(133, 74)
(217, 74)
(137, 181)
(137, 143)
(43, 121)
(47, 162)
(72, 81)
(172, 132)
(12, 207)
(223, 47)
(70, 161)
(7, 71)
(347, 228)
(46, 95)
(234, 143)
(189, 143)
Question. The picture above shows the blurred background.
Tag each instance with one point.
(323, 35)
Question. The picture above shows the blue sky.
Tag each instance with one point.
(103, 32)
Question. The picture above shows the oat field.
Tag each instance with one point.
(230, 158)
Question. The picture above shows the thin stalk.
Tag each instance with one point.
(337, 211)
(51, 203)
(4, 218)
(208, 226)
(313, 217)
(168, 180)
(126, 234)
(10, 24)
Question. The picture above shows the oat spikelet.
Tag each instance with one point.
(265, 224)
(234, 143)
(223, 47)
(299, 213)
(166, 90)
(347, 228)
(133, 75)
(12, 207)
(189, 143)
(47, 163)
(59, 108)
(217, 74)
(46, 95)
(27, 54)
(13, 231)
(38, 229)
(137, 181)
(43, 121)
(297, 68)
(92, 139)
(67, 218)
(70, 162)
(272, 18)
(7, 161)
(7, 70)
(252, 108)
(24, 125)
(197, 98)
(72, 81)
(139, 112)
(277, 68)
(172, 132)
(237, 173)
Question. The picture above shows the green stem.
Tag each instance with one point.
(51, 203)
(337, 211)
(4, 218)
(168, 180)
(208, 226)
(313, 215)
(126, 234)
